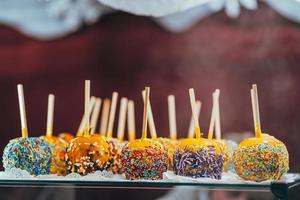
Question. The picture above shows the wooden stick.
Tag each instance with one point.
(212, 118)
(87, 98)
(104, 117)
(50, 115)
(218, 120)
(22, 111)
(95, 114)
(146, 114)
(254, 96)
(193, 106)
(112, 114)
(81, 128)
(191, 131)
(131, 121)
(213, 114)
(253, 110)
(150, 119)
(172, 117)
(122, 118)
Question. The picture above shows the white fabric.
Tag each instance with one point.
(182, 21)
(287, 8)
(155, 8)
(49, 19)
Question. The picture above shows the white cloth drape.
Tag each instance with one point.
(49, 19)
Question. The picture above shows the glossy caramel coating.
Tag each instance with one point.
(67, 137)
(87, 154)
(59, 148)
(170, 146)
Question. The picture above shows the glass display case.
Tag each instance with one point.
(280, 189)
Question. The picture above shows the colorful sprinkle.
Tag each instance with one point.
(201, 163)
(147, 163)
(115, 164)
(31, 154)
(266, 159)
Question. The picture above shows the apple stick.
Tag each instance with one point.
(172, 117)
(87, 99)
(191, 132)
(146, 114)
(218, 120)
(95, 114)
(213, 115)
(150, 119)
(112, 114)
(104, 117)
(253, 109)
(195, 117)
(83, 120)
(254, 97)
(22, 111)
(131, 121)
(50, 115)
(122, 118)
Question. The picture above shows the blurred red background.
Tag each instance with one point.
(124, 53)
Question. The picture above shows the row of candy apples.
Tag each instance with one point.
(260, 158)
